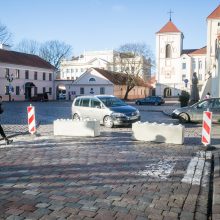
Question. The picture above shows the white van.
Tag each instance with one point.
(107, 109)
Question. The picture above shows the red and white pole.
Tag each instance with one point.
(31, 119)
(206, 128)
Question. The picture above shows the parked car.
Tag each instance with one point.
(43, 97)
(107, 109)
(150, 100)
(195, 112)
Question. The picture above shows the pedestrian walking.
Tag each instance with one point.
(7, 141)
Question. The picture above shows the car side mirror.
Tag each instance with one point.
(98, 106)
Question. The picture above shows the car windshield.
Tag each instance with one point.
(112, 101)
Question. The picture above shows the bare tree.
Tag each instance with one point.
(134, 60)
(28, 46)
(5, 35)
(54, 52)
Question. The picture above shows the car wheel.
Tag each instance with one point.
(156, 103)
(76, 117)
(108, 122)
(184, 118)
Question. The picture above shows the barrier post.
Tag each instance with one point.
(31, 119)
(206, 128)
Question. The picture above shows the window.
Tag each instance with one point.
(17, 90)
(35, 90)
(44, 76)
(85, 102)
(183, 77)
(50, 90)
(168, 51)
(200, 64)
(95, 103)
(102, 90)
(6, 72)
(17, 74)
(194, 64)
(26, 74)
(91, 91)
(67, 70)
(92, 79)
(81, 91)
(199, 76)
(35, 75)
(77, 102)
(82, 70)
(6, 90)
(217, 104)
(183, 66)
(50, 76)
(203, 105)
(218, 23)
(44, 89)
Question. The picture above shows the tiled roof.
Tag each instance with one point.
(188, 51)
(215, 14)
(119, 78)
(169, 27)
(199, 51)
(24, 59)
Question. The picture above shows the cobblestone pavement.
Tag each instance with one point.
(107, 177)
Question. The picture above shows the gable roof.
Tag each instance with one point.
(215, 14)
(169, 27)
(188, 51)
(18, 58)
(119, 78)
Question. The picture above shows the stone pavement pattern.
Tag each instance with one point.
(109, 177)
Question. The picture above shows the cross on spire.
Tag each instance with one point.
(170, 12)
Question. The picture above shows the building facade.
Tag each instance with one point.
(109, 60)
(175, 66)
(97, 81)
(23, 76)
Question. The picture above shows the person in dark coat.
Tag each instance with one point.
(7, 141)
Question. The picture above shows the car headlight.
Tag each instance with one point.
(137, 112)
(117, 115)
(176, 112)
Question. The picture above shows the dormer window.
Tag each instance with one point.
(92, 79)
(168, 51)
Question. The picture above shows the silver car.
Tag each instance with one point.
(107, 109)
(195, 112)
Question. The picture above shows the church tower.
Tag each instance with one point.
(213, 51)
(169, 45)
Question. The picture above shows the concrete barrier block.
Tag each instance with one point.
(82, 128)
(161, 133)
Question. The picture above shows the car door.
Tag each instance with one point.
(216, 110)
(85, 108)
(97, 112)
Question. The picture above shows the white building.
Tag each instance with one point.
(175, 66)
(97, 81)
(24, 75)
(108, 60)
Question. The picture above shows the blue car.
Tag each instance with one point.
(150, 100)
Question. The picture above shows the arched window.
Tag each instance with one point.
(168, 51)
(92, 79)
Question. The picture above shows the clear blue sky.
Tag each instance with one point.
(105, 24)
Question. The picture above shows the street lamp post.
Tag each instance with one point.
(9, 78)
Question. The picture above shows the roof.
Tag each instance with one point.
(215, 14)
(18, 58)
(199, 51)
(188, 51)
(169, 27)
(119, 78)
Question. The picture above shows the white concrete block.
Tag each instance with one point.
(162, 133)
(69, 127)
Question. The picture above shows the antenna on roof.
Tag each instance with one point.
(170, 12)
